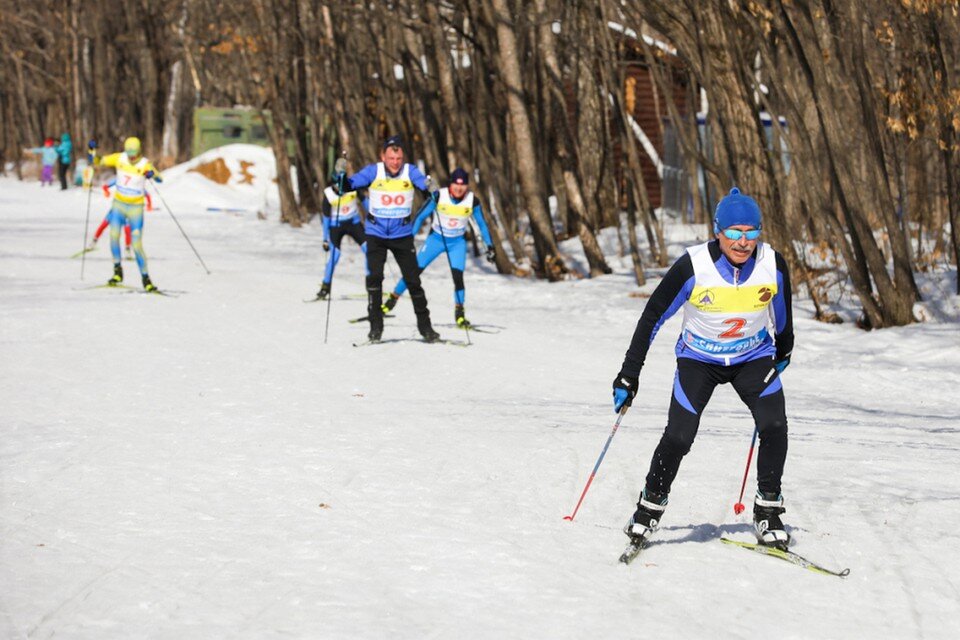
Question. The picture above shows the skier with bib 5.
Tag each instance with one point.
(453, 209)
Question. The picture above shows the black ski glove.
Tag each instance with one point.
(491, 253)
(624, 391)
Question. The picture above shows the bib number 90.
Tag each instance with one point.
(388, 200)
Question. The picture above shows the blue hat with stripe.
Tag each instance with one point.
(736, 208)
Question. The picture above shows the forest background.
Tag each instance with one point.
(841, 118)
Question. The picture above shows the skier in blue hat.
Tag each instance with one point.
(738, 328)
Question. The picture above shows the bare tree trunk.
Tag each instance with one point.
(565, 148)
(453, 129)
(271, 69)
(170, 146)
(333, 71)
(76, 126)
(635, 258)
(614, 81)
(548, 254)
(31, 129)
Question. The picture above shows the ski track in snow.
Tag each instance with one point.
(204, 466)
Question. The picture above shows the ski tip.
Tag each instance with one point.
(452, 343)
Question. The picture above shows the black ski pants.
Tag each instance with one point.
(758, 385)
(406, 256)
(352, 229)
(63, 169)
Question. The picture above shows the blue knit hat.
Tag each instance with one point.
(736, 208)
(459, 176)
(392, 141)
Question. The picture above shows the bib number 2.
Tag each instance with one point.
(736, 324)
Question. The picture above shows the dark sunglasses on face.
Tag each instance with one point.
(736, 234)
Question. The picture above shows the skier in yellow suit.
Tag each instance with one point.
(133, 171)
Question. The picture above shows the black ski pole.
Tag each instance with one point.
(340, 169)
(187, 238)
(86, 224)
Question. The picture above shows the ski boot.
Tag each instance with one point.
(117, 276)
(426, 330)
(646, 519)
(767, 507)
(391, 302)
(375, 335)
(462, 322)
(324, 292)
(147, 285)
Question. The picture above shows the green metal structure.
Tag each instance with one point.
(216, 126)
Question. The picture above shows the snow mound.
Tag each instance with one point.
(236, 178)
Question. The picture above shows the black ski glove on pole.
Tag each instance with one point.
(624, 391)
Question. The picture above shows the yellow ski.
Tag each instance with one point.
(789, 556)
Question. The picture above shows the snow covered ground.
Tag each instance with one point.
(206, 467)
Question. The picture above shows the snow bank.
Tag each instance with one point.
(236, 178)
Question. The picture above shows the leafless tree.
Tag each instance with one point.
(841, 118)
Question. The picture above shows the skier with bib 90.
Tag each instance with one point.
(133, 171)
(737, 328)
(391, 185)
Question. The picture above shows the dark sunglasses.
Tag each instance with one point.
(736, 234)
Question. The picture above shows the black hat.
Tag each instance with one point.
(393, 141)
(459, 176)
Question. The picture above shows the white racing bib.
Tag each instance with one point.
(131, 183)
(452, 217)
(391, 197)
(727, 320)
(348, 203)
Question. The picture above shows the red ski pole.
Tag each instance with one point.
(738, 508)
(593, 473)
